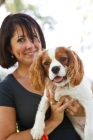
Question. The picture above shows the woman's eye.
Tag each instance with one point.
(20, 40)
(62, 59)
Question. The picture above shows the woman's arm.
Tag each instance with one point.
(8, 126)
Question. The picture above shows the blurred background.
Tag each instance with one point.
(64, 23)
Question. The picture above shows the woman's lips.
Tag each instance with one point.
(30, 53)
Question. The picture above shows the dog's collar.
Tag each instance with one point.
(66, 85)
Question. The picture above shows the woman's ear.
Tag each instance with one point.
(10, 50)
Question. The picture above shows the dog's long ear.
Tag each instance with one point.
(36, 75)
(75, 68)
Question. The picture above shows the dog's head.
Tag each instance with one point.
(61, 65)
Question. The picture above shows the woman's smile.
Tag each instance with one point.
(30, 53)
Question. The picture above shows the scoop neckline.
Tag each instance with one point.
(35, 94)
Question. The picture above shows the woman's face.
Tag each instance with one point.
(23, 48)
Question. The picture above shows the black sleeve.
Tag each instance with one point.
(6, 96)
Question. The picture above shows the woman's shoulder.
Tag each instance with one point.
(7, 80)
(6, 92)
(8, 83)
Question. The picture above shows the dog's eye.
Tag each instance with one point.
(47, 63)
(62, 59)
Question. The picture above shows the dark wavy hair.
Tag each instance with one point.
(7, 30)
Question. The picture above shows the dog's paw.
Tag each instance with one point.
(37, 131)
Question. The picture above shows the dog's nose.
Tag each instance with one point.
(55, 69)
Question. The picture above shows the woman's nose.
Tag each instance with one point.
(30, 44)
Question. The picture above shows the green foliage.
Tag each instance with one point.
(17, 6)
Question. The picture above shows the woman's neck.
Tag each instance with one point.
(22, 72)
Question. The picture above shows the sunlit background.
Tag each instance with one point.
(64, 23)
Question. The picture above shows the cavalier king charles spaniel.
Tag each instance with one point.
(65, 70)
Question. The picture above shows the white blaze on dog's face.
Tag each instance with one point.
(56, 62)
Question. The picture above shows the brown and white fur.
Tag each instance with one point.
(64, 69)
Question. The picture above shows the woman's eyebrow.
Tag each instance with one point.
(19, 36)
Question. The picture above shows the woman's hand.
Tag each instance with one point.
(57, 108)
(75, 109)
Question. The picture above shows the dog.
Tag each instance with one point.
(64, 69)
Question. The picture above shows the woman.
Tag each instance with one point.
(21, 39)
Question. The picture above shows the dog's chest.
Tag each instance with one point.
(72, 92)
(82, 91)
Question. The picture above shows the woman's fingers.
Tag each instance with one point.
(72, 106)
(50, 95)
(62, 106)
(75, 109)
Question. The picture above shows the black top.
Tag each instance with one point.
(13, 94)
